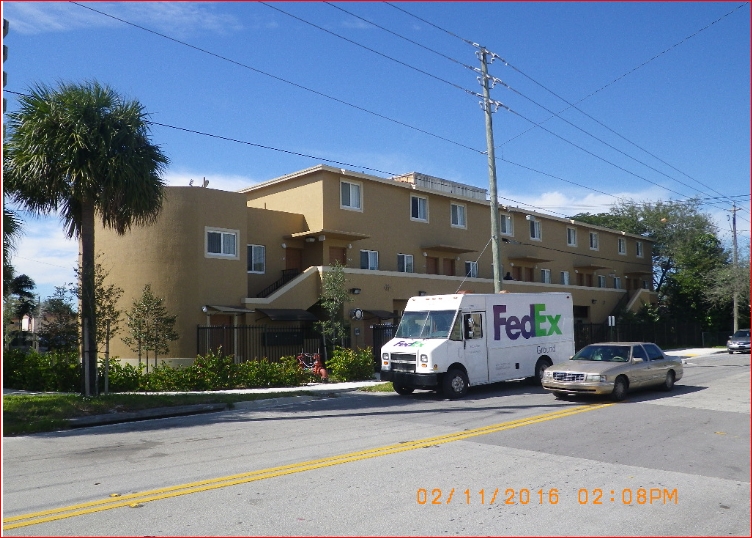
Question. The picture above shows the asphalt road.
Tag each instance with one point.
(507, 460)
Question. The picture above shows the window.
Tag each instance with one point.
(593, 240)
(458, 216)
(535, 230)
(419, 208)
(654, 352)
(369, 259)
(639, 353)
(564, 278)
(617, 283)
(505, 223)
(473, 326)
(471, 269)
(256, 258)
(622, 245)
(221, 243)
(638, 248)
(404, 263)
(571, 237)
(350, 195)
(601, 281)
(546, 276)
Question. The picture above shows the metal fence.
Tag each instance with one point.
(669, 334)
(246, 342)
(381, 335)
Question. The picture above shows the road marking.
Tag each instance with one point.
(119, 501)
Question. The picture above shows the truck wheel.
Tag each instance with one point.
(402, 390)
(541, 365)
(455, 384)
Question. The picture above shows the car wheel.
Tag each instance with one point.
(455, 384)
(402, 389)
(668, 384)
(620, 389)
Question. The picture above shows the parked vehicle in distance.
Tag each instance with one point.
(449, 343)
(613, 368)
(738, 342)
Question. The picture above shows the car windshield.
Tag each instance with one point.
(603, 353)
(432, 324)
(741, 334)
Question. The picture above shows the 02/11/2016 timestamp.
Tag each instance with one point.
(524, 496)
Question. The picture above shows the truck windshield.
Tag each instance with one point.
(432, 324)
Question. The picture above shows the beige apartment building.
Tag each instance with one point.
(255, 257)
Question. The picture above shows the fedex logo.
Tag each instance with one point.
(402, 343)
(537, 323)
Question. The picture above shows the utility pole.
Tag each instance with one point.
(486, 105)
(736, 263)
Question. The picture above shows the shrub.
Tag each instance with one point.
(43, 372)
(350, 365)
(121, 377)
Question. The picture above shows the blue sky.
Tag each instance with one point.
(662, 94)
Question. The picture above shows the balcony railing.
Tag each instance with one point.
(287, 276)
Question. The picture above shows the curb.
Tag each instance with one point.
(157, 412)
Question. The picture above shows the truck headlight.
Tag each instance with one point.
(595, 377)
(424, 358)
(385, 356)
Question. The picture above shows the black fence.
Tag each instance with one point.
(246, 342)
(669, 334)
(381, 335)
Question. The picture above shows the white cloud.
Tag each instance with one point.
(175, 18)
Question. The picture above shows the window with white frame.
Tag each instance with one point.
(601, 281)
(617, 282)
(621, 245)
(505, 223)
(256, 259)
(458, 219)
(593, 240)
(564, 278)
(221, 243)
(404, 263)
(638, 249)
(369, 259)
(535, 230)
(546, 276)
(419, 208)
(350, 195)
(571, 237)
(471, 269)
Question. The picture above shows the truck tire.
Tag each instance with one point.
(455, 384)
(402, 390)
(541, 365)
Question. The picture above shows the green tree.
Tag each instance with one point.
(106, 297)
(20, 302)
(59, 326)
(151, 326)
(334, 294)
(724, 281)
(84, 151)
(11, 233)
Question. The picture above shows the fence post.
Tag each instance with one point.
(107, 359)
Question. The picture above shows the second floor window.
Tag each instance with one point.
(594, 240)
(546, 276)
(471, 269)
(404, 263)
(369, 259)
(505, 223)
(350, 195)
(256, 258)
(638, 249)
(564, 278)
(617, 282)
(601, 281)
(419, 208)
(458, 216)
(221, 243)
(571, 237)
(535, 230)
(622, 245)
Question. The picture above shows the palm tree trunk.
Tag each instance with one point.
(88, 305)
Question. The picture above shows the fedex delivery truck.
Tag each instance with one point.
(449, 343)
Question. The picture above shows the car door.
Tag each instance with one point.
(659, 366)
(476, 357)
(639, 372)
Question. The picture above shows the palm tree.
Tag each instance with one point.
(11, 233)
(84, 151)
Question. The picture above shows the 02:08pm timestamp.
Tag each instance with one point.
(524, 496)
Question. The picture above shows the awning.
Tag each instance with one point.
(219, 309)
(448, 248)
(528, 259)
(381, 314)
(590, 267)
(328, 234)
(287, 314)
(637, 273)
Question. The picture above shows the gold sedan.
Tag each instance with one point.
(613, 368)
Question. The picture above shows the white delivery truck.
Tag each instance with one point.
(451, 342)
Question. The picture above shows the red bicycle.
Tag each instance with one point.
(312, 362)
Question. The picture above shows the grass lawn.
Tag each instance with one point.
(34, 413)
(381, 387)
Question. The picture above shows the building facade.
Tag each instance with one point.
(256, 256)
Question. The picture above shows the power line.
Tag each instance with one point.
(280, 79)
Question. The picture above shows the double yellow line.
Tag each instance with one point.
(135, 499)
